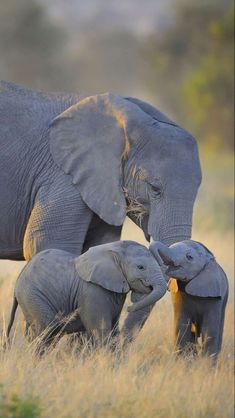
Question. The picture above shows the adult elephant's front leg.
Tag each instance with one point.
(100, 232)
(59, 219)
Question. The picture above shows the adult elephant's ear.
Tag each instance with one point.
(102, 268)
(211, 282)
(151, 111)
(88, 142)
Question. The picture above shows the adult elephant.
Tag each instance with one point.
(73, 167)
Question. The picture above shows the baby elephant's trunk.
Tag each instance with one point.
(162, 253)
(159, 290)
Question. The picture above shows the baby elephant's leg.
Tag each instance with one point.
(48, 337)
(42, 323)
(98, 327)
(212, 329)
(73, 323)
(30, 331)
(221, 327)
(185, 338)
(101, 333)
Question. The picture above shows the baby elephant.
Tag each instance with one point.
(93, 286)
(200, 296)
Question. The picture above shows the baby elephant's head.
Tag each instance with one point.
(190, 262)
(122, 266)
(184, 260)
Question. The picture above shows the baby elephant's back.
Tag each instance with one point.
(47, 276)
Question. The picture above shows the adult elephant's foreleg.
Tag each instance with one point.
(100, 232)
(59, 219)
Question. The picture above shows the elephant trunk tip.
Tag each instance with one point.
(156, 294)
(162, 253)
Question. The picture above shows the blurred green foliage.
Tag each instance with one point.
(30, 45)
(11, 406)
(214, 206)
(192, 68)
(184, 66)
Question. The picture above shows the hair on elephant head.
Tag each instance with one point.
(126, 157)
(122, 266)
(192, 263)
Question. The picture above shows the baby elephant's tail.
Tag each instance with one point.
(13, 311)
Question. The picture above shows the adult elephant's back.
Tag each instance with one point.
(24, 117)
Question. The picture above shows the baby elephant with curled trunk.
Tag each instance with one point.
(92, 287)
(200, 295)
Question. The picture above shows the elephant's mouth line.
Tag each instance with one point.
(146, 286)
(171, 268)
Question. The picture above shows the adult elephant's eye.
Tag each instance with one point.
(189, 257)
(156, 190)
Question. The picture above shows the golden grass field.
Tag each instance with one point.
(147, 380)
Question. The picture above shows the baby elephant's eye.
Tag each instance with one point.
(140, 267)
(189, 257)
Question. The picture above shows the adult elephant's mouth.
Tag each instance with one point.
(144, 227)
(147, 237)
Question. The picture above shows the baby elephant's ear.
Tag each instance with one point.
(103, 269)
(211, 282)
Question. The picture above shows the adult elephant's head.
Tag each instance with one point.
(126, 157)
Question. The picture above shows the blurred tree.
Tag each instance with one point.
(109, 60)
(191, 68)
(30, 45)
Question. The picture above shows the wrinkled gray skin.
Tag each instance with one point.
(93, 286)
(72, 167)
(202, 295)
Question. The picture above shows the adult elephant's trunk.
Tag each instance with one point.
(159, 289)
(175, 224)
(176, 234)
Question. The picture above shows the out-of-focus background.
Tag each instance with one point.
(176, 54)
